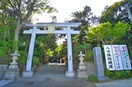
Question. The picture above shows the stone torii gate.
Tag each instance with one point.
(35, 30)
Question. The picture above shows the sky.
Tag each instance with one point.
(66, 7)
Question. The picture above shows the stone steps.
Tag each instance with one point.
(51, 69)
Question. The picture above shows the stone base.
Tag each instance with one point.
(27, 74)
(82, 74)
(15, 66)
(70, 74)
(11, 74)
(103, 78)
(82, 67)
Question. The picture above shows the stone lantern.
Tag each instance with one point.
(13, 70)
(81, 58)
(13, 64)
(81, 64)
(81, 71)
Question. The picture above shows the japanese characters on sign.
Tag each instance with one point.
(125, 57)
(109, 57)
(117, 57)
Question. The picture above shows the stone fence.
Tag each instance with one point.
(90, 68)
(3, 69)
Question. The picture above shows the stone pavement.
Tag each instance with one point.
(54, 76)
(49, 81)
(49, 76)
(4, 82)
(116, 83)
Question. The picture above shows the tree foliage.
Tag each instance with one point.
(120, 12)
(86, 17)
(45, 47)
(23, 10)
(106, 33)
(7, 26)
(117, 12)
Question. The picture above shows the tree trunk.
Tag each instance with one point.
(16, 36)
(17, 30)
(111, 42)
(103, 41)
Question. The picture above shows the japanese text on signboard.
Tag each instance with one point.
(117, 57)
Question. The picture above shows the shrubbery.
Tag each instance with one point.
(92, 78)
(118, 74)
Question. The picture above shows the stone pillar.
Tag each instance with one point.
(70, 72)
(29, 72)
(13, 71)
(99, 68)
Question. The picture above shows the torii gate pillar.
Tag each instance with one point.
(70, 73)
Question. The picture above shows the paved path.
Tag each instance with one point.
(50, 76)
(54, 76)
(117, 83)
(4, 82)
(49, 80)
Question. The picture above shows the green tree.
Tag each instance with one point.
(7, 26)
(106, 33)
(45, 47)
(23, 10)
(87, 18)
(119, 11)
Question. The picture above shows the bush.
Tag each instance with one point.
(89, 56)
(118, 74)
(36, 62)
(92, 78)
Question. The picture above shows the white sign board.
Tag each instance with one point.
(109, 57)
(117, 57)
(125, 57)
